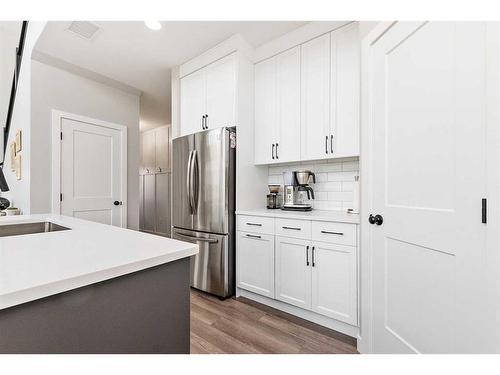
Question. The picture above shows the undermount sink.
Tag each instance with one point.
(29, 228)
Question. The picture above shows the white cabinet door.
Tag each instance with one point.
(315, 98)
(149, 208)
(334, 281)
(288, 106)
(162, 149)
(265, 111)
(255, 263)
(148, 155)
(162, 204)
(293, 274)
(345, 92)
(221, 93)
(193, 102)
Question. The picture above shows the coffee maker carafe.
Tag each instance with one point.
(297, 191)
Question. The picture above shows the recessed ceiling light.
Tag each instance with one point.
(153, 25)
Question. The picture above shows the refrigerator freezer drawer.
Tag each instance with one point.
(212, 269)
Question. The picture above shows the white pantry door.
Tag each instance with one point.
(426, 119)
(91, 172)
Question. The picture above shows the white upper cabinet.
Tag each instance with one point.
(277, 108)
(208, 97)
(315, 98)
(193, 102)
(307, 100)
(265, 111)
(221, 93)
(345, 92)
(288, 106)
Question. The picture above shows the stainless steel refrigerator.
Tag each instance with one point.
(203, 204)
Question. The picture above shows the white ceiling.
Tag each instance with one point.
(129, 52)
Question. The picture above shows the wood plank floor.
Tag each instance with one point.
(239, 326)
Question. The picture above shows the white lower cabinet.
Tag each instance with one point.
(255, 263)
(305, 263)
(333, 274)
(293, 274)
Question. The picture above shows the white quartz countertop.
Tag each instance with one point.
(318, 215)
(38, 265)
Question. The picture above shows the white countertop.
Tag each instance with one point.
(38, 265)
(318, 215)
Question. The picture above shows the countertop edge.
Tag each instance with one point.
(41, 291)
(336, 216)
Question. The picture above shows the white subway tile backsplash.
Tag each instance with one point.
(334, 181)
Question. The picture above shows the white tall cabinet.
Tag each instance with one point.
(307, 100)
(154, 180)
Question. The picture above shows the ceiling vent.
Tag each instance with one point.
(84, 29)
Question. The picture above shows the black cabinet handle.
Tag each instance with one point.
(377, 219)
(331, 143)
(272, 151)
(277, 157)
(307, 255)
(255, 224)
(313, 260)
(326, 144)
(328, 232)
(203, 122)
(253, 236)
(206, 121)
(292, 228)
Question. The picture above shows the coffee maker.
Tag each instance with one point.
(274, 198)
(297, 191)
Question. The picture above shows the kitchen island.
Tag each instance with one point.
(87, 287)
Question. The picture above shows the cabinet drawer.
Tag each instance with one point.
(255, 224)
(293, 228)
(339, 233)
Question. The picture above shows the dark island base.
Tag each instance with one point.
(143, 312)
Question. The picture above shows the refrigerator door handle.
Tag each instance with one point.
(194, 182)
(201, 239)
(188, 181)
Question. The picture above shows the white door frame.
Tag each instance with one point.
(57, 117)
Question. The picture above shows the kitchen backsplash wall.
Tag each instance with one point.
(334, 188)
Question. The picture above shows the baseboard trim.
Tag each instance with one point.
(311, 316)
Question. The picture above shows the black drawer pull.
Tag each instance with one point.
(328, 232)
(253, 236)
(255, 224)
(292, 228)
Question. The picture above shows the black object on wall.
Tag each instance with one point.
(19, 57)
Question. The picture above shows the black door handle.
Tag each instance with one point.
(326, 145)
(272, 152)
(377, 219)
(331, 143)
(277, 157)
(117, 203)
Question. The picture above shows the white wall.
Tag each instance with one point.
(54, 88)
(8, 44)
(19, 193)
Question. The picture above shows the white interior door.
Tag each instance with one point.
(426, 86)
(91, 172)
